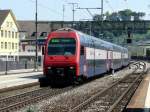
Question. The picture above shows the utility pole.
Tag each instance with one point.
(102, 17)
(73, 11)
(102, 8)
(36, 44)
(63, 12)
(88, 10)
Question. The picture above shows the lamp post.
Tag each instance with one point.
(73, 11)
(6, 64)
(102, 17)
(36, 45)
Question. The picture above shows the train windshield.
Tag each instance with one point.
(62, 46)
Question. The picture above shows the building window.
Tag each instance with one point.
(5, 33)
(2, 33)
(16, 34)
(33, 34)
(12, 34)
(23, 47)
(16, 46)
(12, 45)
(9, 34)
(43, 34)
(5, 45)
(1, 45)
(9, 45)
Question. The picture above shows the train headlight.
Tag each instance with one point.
(49, 67)
(71, 67)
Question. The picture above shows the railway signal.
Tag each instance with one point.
(129, 40)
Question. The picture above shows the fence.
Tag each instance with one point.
(14, 65)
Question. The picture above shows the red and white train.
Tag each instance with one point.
(72, 55)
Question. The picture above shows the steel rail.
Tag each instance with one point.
(31, 98)
(25, 102)
(92, 98)
(34, 99)
(122, 96)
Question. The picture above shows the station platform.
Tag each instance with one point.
(18, 78)
(140, 102)
(19, 71)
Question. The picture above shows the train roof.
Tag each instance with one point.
(98, 42)
(103, 43)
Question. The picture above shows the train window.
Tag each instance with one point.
(62, 46)
(82, 50)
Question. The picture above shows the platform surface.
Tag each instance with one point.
(140, 102)
(19, 78)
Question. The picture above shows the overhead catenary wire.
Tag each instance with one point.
(86, 15)
(63, 8)
(109, 5)
(46, 7)
(73, 9)
(87, 9)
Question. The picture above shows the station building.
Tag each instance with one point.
(140, 50)
(28, 40)
(9, 36)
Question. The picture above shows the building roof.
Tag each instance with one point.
(4, 14)
(29, 28)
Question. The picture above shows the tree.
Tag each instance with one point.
(97, 17)
(114, 17)
(125, 15)
(138, 15)
(107, 15)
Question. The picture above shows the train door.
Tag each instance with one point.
(122, 58)
(107, 62)
(83, 63)
(90, 59)
(111, 60)
(94, 60)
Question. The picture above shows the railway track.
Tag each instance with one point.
(115, 97)
(19, 101)
(14, 88)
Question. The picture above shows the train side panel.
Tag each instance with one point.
(117, 61)
(90, 58)
(100, 61)
(109, 60)
(126, 58)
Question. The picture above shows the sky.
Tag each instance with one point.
(52, 10)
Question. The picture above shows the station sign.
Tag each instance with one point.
(33, 42)
(41, 41)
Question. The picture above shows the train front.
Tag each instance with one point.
(61, 56)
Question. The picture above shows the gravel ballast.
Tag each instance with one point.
(67, 100)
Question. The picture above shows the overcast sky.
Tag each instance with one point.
(53, 9)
